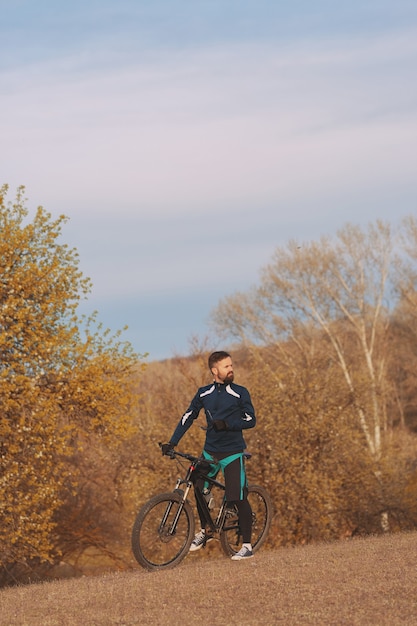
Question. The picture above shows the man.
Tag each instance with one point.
(229, 411)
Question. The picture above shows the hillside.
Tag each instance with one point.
(370, 581)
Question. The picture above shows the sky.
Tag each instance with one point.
(186, 140)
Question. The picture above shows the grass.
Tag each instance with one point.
(371, 581)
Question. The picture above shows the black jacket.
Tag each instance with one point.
(230, 403)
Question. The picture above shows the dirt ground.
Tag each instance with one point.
(370, 581)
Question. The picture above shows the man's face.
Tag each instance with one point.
(223, 371)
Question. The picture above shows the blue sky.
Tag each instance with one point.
(187, 140)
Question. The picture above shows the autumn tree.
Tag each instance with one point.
(339, 287)
(335, 292)
(64, 381)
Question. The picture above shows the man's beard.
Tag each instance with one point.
(229, 378)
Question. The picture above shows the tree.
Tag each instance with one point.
(336, 292)
(340, 288)
(63, 380)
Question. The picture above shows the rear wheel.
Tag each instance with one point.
(155, 543)
(261, 505)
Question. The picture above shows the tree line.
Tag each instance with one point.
(326, 344)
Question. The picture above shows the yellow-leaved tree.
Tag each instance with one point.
(64, 382)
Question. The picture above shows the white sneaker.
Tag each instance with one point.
(244, 553)
(200, 541)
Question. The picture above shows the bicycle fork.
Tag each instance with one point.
(184, 495)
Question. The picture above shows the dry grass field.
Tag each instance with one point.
(370, 581)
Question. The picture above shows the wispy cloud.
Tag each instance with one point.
(213, 128)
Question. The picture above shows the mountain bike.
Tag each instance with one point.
(165, 525)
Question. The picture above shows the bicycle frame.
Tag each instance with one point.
(194, 472)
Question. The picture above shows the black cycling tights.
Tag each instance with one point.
(245, 519)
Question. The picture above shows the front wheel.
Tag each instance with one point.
(261, 505)
(162, 532)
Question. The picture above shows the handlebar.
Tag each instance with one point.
(194, 459)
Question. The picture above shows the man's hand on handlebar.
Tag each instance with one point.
(167, 449)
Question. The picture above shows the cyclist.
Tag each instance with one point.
(228, 409)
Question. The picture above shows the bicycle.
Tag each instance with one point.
(165, 526)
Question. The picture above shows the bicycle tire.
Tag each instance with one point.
(230, 535)
(152, 545)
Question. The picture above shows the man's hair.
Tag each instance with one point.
(217, 356)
